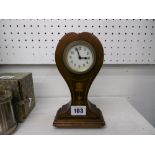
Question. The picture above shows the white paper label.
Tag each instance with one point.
(78, 110)
(6, 77)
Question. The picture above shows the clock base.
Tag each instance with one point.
(93, 118)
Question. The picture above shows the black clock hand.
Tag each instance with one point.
(78, 53)
(85, 57)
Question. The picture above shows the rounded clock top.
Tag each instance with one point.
(79, 55)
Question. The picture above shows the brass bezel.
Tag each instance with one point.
(74, 43)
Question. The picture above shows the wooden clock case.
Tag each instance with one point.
(79, 85)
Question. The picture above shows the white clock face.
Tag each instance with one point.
(79, 56)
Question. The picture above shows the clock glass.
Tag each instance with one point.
(79, 56)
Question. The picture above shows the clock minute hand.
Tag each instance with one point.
(78, 53)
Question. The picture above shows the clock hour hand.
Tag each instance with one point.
(85, 58)
(78, 53)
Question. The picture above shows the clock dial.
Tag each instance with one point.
(79, 56)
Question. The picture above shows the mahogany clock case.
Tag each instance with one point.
(79, 85)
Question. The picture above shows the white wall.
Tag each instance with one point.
(135, 82)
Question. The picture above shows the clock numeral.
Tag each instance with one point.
(80, 48)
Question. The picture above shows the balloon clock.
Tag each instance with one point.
(79, 58)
